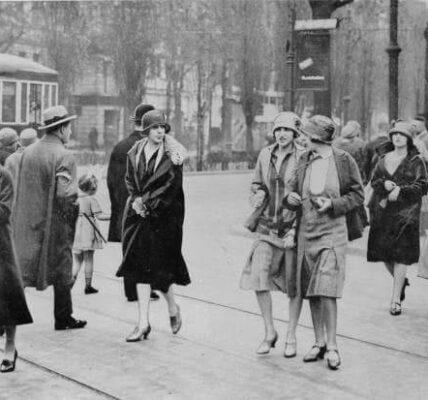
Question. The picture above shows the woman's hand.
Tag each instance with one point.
(288, 239)
(139, 207)
(389, 185)
(259, 197)
(393, 195)
(325, 204)
(294, 199)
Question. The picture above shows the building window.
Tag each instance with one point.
(36, 57)
(24, 103)
(9, 102)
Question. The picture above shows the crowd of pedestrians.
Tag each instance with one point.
(310, 192)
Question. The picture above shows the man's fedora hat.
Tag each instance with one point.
(139, 111)
(54, 116)
(319, 128)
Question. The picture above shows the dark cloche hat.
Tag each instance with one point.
(155, 117)
(139, 111)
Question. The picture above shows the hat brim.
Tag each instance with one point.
(59, 122)
(166, 125)
(316, 138)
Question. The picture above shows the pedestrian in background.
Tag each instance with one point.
(153, 222)
(9, 143)
(116, 172)
(271, 264)
(351, 142)
(13, 307)
(88, 237)
(327, 193)
(28, 136)
(45, 212)
(374, 149)
(399, 182)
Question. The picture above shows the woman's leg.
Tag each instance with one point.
(264, 299)
(170, 299)
(143, 291)
(295, 307)
(9, 348)
(88, 257)
(317, 313)
(330, 320)
(400, 272)
(390, 267)
(78, 260)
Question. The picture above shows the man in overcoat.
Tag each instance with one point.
(45, 213)
(116, 176)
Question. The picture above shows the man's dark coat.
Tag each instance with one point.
(116, 184)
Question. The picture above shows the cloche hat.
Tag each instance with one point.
(319, 128)
(288, 120)
(154, 117)
(8, 136)
(139, 112)
(54, 116)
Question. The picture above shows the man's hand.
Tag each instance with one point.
(294, 199)
(325, 204)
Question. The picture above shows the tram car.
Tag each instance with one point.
(26, 89)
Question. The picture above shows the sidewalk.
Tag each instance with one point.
(213, 356)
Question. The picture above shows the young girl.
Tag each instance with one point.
(88, 237)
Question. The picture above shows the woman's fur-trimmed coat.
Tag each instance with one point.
(394, 226)
(152, 245)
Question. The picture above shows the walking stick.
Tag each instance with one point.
(95, 228)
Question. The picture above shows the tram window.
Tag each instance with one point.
(35, 102)
(53, 95)
(45, 96)
(24, 105)
(9, 102)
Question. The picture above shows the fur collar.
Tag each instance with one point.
(171, 147)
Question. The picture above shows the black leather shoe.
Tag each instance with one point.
(7, 365)
(70, 324)
(176, 321)
(403, 290)
(90, 290)
(154, 296)
(315, 353)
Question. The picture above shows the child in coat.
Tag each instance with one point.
(88, 237)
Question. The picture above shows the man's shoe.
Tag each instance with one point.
(154, 296)
(70, 324)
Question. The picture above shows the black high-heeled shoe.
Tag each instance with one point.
(312, 355)
(266, 345)
(8, 365)
(137, 334)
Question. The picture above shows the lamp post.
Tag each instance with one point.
(291, 62)
(426, 73)
(393, 52)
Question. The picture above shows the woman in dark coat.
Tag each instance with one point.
(153, 220)
(13, 307)
(399, 181)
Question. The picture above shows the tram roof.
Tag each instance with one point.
(22, 68)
